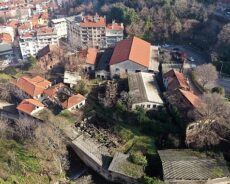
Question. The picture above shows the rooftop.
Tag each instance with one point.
(144, 88)
(32, 86)
(186, 164)
(29, 105)
(121, 164)
(90, 55)
(134, 49)
(73, 100)
(176, 80)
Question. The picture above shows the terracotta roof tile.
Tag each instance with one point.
(52, 91)
(29, 105)
(193, 99)
(73, 100)
(90, 55)
(32, 86)
(115, 26)
(89, 21)
(176, 80)
(134, 49)
(5, 37)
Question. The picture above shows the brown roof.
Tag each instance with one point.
(32, 86)
(5, 37)
(89, 21)
(29, 105)
(193, 99)
(134, 49)
(90, 55)
(73, 100)
(51, 92)
(176, 80)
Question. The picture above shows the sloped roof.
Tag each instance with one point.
(134, 49)
(73, 100)
(193, 99)
(176, 80)
(52, 91)
(29, 105)
(186, 164)
(144, 88)
(32, 86)
(90, 55)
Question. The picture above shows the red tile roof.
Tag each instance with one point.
(90, 55)
(115, 26)
(73, 100)
(193, 99)
(134, 49)
(90, 21)
(52, 91)
(13, 24)
(29, 105)
(176, 80)
(32, 86)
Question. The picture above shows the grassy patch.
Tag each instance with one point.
(217, 172)
(135, 141)
(4, 78)
(19, 165)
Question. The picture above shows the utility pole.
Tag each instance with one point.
(221, 67)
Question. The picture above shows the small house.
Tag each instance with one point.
(74, 102)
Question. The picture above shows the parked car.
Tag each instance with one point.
(191, 59)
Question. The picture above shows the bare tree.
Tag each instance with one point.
(214, 126)
(205, 74)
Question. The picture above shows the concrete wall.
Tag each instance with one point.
(146, 105)
(126, 66)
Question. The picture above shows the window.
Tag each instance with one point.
(148, 106)
(117, 69)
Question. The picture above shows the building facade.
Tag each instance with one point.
(60, 27)
(92, 31)
(31, 43)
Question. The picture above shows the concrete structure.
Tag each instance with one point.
(114, 33)
(92, 31)
(86, 31)
(60, 26)
(144, 91)
(31, 43)
(102, 69)
(97, 157)
(130, 55)
(71, 78)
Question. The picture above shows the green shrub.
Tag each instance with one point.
(82, 88)
(149, 180)
(138, 158)
(219, 90)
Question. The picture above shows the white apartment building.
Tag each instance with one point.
(114, 33)
(92, 31)
(60, 26)
(31, 43)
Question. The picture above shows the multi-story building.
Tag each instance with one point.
(31, 43)
(114, 33)
(60, 27)
(86, 31)
(92, 31)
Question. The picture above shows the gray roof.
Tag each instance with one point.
(5, 49)
(103, 63)
(144, 88)
(121, 164)
(191, 165)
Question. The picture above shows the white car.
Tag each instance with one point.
(191, 59)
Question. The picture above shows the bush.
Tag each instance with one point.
(82, 88)
(149, 180)
(219, 90)
(138, 158)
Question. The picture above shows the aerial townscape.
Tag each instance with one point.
(114, 92)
